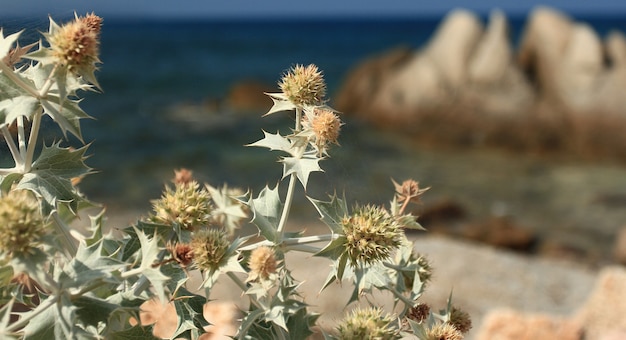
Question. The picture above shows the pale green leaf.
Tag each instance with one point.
(281, 103)
(5, 318)
(274, 142)
(266, 210)
(149, 255)
(301, 166)
(6, 43)
(228, 211)
(332, 213)
(12, 108)
(41, 327)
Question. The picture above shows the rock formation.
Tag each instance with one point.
(561, 66)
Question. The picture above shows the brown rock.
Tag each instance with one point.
(364, 81)
(248, 96)
(505, 324)
(603, 313)
(619, 249)
(500, 232)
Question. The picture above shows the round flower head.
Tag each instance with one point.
(371, 234)
(444, 331)
(76, 44)
(187, 205)
(21, 223)
(262, 263)
(304, 85)
(460, 319)
(367, 323)
(419, 312)
(323, 127)
(209, 247)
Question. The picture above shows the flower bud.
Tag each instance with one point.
(76, 44)
(304, 85)
(262, 263)
(371, 235)
(367, 323)
(444, 331)
(419, 312)
(186, 205)
(21, 223)
(460, 319)
(209, 247)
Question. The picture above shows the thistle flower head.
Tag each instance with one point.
(187, 205)
(460, 319)
(371, 234)
(21, 223)
(263, 263)
(76, 44)
(409, 190)
(209, 248)
(444, 331)
(304, 85)
(419, 312)
(181, 253)
(368, 323)
(323, 125)
(424, 269)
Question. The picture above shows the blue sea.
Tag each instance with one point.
(151, 66)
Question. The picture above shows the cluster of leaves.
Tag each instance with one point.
(58, 283)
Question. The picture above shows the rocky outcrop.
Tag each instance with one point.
(561, 66)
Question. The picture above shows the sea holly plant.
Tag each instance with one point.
(68, 278)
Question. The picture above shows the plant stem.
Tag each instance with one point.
(243, 288)
(50, 301)
(21, 135)
(292, 185)
(15, 152)
(143, 283)
(46, 86)
(18, 80)
(32, 141)
(66, 238)
(309, 239)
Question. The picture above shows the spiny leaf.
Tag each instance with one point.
(332, 213)
(12, 108)
(149, 256)
(281, 103)
(189, 309)
(7, 42)
(301, 166)
(273, 142)
(266, 210)
(135, 333)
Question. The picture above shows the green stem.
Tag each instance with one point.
(21, 135)
(309, 239)
(292, 185)
(48, 84)
(18, 80)
(15, 152)
(32, 141)
(244, 288)
(66, 238)
(51, 301)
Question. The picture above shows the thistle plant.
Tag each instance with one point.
(73, 281)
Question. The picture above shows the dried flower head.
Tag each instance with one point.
(183, 176)
(304, 85)
(371, 234)
(367, 323)
(419, 312)
(322, 127)
(460, 319)
(409, 190)
(181, 253)
(21, 223)
(263, 263)
(76, 44)
(444, 331)
(187, 205)
(209, 248)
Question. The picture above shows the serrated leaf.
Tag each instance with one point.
(266, 210)
(189, 309)
(5, 318)
(301, 166)
(43, 324)
(228, 210)
(281, 103)
(149, 255)
(273, 142)
(66, 113)
(331, 213)
(14, 107)
(6, 43)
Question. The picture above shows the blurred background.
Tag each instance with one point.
(512, 112)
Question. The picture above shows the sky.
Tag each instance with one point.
(292, 8)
